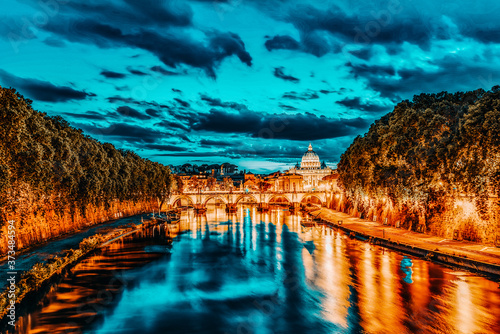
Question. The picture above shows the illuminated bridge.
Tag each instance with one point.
(232, 198)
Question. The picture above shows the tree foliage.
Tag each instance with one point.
(57, 167)
(428, 149)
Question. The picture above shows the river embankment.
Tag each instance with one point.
(34, 282)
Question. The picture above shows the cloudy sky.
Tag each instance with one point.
(246, 81)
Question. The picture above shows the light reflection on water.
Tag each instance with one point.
(262, 273)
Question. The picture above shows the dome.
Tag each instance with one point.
(310, 159)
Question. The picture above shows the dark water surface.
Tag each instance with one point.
(262, 273)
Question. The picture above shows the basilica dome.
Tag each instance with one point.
(310, 159)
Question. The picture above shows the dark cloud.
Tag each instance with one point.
(391, 24)
(129, 12)
(287, 107)
(452, 73)
(313, 42)
(192, 154)
(221, 149)
(304, 96)
(163, 147)
(476, 22)
(42, 90)
(362, 28)
(279, 73)
(317, 43)
(112, 75)
(90, 115)
(268, 151)
(126, 132)
(183, 137)
(172, 50)
(169, 125)
(123, 88)
(280, 42)
(136, 72)
(364, 54)
(216, 102)
(210, 142)
(131, 112)
(114, 99)
(175, 90)
(163, 12)
(214, 1)
(489, 34)
(356, 104)
(182, 102)
(376, 70)
(379, 77)
(153, 112)
(163, 71)
(304, 126)
(129, 100)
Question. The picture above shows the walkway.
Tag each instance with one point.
(26, 258)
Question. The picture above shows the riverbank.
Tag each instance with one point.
(472, 256)
(25, 259)
(41, 276)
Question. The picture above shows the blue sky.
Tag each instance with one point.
(250, 82)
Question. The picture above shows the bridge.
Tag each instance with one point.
(231, 199)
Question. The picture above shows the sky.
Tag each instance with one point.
(251, 82)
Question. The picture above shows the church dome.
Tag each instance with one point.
(310, 159)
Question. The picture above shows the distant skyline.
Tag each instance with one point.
(247, 82)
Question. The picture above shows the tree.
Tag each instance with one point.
(47, 167)
(425, 150)
(177, 184)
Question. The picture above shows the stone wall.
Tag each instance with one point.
(459, 218)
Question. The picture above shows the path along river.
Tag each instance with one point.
(252, 272)
(27, 259)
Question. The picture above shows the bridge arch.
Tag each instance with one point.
(289, 200)
(306, 196)
(208, 198)
(181, 197)
(246, 195)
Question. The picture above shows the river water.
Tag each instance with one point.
(261, 273)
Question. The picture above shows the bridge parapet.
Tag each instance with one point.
(234, 197)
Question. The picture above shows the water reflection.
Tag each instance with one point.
(406, 264)
(252, 272)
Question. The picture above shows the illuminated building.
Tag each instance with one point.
(311, 169)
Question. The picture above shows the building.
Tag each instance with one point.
(290, 182)
(250, 182)
(284, 182)
(311, 169)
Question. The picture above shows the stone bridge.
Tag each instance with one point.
(232, 198)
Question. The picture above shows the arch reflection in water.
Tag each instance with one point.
(251, 272)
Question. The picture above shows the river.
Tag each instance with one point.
(261, 273)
